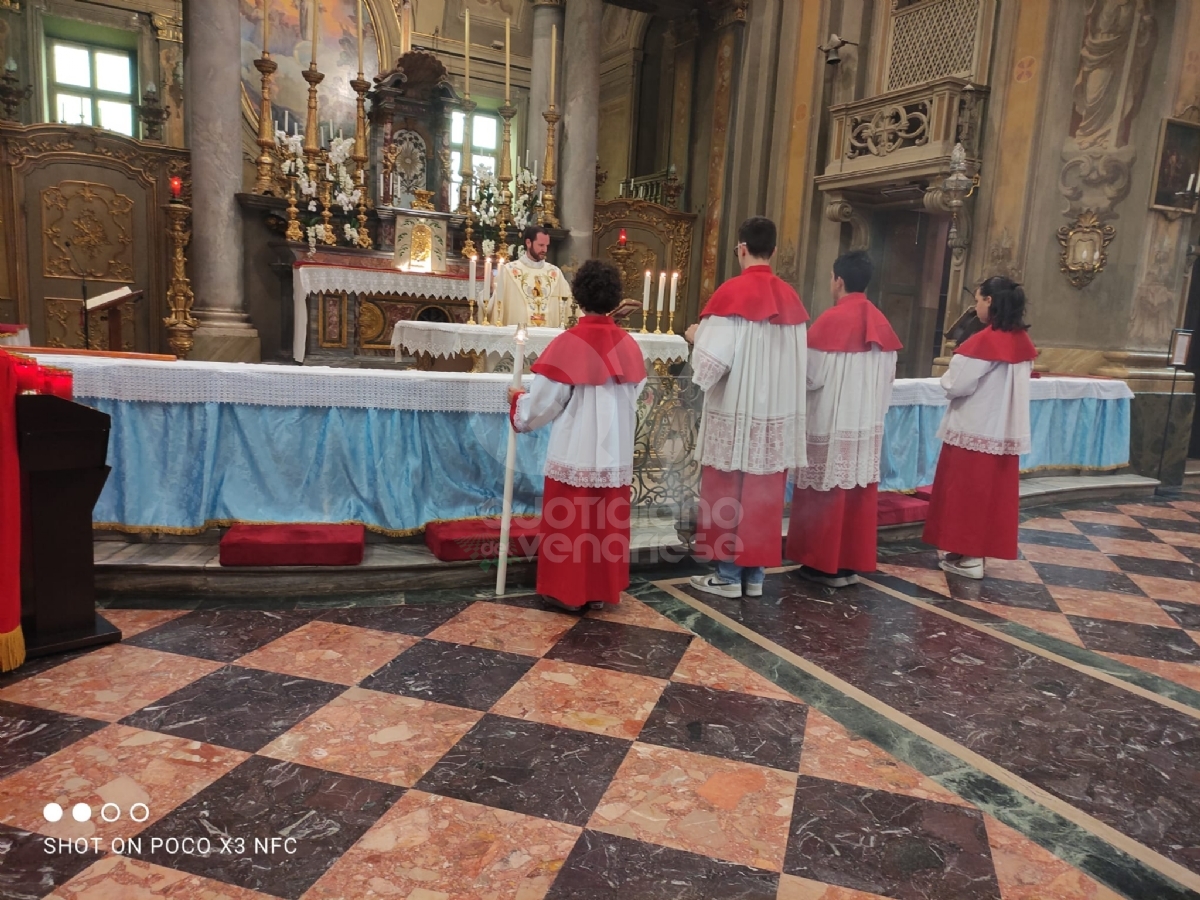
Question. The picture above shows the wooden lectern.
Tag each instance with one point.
(63, 448)
(111, 302)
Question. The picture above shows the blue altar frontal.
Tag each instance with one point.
(197, 444)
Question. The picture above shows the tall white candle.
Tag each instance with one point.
(646, 294)
(360, 37)
(266, 26)
(467, 55)
(471, 279)
(674, 288)
(507, 57)
(316, 15)
(662, 289)
(553, 56)
(487, 280)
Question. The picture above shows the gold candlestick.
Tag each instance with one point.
(549, 216)
(507, 111)
(312, 140)
(464, 169)
(468, 249)
(326, 194)
(264, 183)
(180, 323)
(361, 86)
(294, 231)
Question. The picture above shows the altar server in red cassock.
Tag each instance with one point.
(974, 508)
(851, 366)
(587, 383)
(749, 360)
(12, 642)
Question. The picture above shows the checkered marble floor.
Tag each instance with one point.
(473, 748)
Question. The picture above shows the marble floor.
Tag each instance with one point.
(1035, 736)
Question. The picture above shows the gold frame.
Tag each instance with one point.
(322, 337)
(1167, 122)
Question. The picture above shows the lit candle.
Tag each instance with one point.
(316, 14)
(674, 288)
(553, 55)
(622, 238)
(266, 26)
(467, 55)
(176, 187)
(646, 294)
(662, 289)
(507, 56)
(360, 37)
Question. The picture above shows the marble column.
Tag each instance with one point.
(546, 14)
(581, 120)
(213, 111)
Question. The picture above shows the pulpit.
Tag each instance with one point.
(63, 449)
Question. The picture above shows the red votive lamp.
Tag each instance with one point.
(176, 187)
(622, 238)
(29, 374)
(60, 383)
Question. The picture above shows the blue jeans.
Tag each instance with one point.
(732, 573)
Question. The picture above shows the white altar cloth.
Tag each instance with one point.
(446, 339)
(928, 391)
(309, 278)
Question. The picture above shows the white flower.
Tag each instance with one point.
(512, 251)
(351, 234)
(489, 248)
(312, 206)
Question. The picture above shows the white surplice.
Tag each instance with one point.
(848, 396)
(753, 376)
(989, 406)
(591, 441)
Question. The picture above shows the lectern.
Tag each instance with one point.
(63, 448)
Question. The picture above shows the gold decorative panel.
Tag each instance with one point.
(87, 231)
(63, 326)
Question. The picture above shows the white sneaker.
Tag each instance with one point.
(711, 584)
(752, 590)
(964, 566)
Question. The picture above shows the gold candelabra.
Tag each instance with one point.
(468, 249)
(361, 86)
(294, 231)
(326, 194)
(507, 111)
(464, 169)
(180, 323)
(549, 212)
(265, 182)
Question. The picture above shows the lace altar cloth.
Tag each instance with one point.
(444, 339)
(316, 278)
(928, 391)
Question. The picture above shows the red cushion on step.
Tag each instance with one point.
(900, 509)
(293, 545)
(480, 538)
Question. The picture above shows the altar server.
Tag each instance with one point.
(749, 360)
(12, 642)
(587, 382)
(851, 366)
(529, 290)
(974, 507)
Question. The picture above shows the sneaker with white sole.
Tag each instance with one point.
(840, 580)
(964, 566)
(752, 590)
(711, 584)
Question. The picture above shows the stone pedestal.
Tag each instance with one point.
(212, 66)
(581, 117)
(546, 14)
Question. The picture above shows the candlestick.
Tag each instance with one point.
(360, 37)
(505, 176)
(316, 15)
(646, 302)
(180, 323)
(361, 86)
(467, 58)
(662, 289)
(264, 182)
(266, 26)
(507, 59)
(671, 314)
(553, 56)
(548, 216)
(471, 288)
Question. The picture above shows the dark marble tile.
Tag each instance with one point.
(1096, 529)
(1181, 525)
(939, 600)
(455, 674)
(222, 635)
(415, 619)
(1128, 639)
(606, 867)
(1186, 614)
(538, 770)
(889, 844)
(1033, 716)
(1160, 568)
(321, 813)
(1192, 553)
(998, 590)
(733, 726)
(1060, 539)
(1087, 579)
(27, 871)
(29, 733)
(244, 709)
(622, 648)
(904, 555)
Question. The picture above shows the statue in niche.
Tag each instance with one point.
(1119, 40)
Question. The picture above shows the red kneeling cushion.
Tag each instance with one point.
(480, 538)
(900, 509)
(924, 493)
(293, 545)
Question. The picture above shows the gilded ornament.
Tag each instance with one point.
(1084, 246)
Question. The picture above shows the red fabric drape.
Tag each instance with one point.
(12, 642)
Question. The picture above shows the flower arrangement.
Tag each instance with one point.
(485, 204)
(335, 171)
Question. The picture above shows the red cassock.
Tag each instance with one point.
(975, 505)
(583, 554)
(12, 643)
(836, 528)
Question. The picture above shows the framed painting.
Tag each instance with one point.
(1177, 166)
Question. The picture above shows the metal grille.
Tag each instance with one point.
(933, 40)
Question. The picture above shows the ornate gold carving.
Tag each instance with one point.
(422, 200)
(168, 28)
(87, 230)
(180, 323)
(63, 320)
(549, 213)
(422, 243)
(633, 261)
(265, 182)
(371, 322)
(1084, 244)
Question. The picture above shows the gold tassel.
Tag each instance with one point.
(12, 649)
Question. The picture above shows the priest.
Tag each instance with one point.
(529, 290)
(749, 360)
(851, 365)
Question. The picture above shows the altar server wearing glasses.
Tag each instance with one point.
(587, 383)
(974, 508)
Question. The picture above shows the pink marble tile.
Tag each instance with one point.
(792, 887)
(582, 697)
(1178, 538)
(118, 765)
(930, 579)
(1154, 586)
(1051, 623)
(493, 626)
(1065, 556)
(1062, 526)
(434, 848)
(1012, 570)
(1187, 505)
(119, 878)
(339, 654)
(374, 735)
(1187, 674)
(1025, 871)
(716, 807)
(1156, 512)
(135, 621)
(631, 611)
(1101, 518)
(1141, 549)
(703, 664)
(110, 683)
(1106, 605)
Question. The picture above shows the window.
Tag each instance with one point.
(91, 86)
(485, 131)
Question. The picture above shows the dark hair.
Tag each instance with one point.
(855, 269)
(532, 231)
(597, 287)
(759, 235)
(1008, 303)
